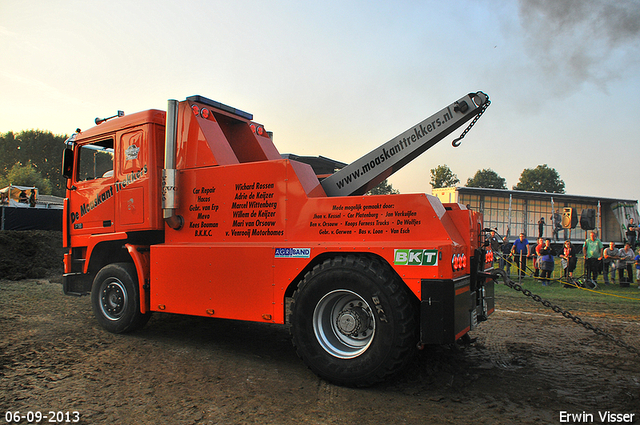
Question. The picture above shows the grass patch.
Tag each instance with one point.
(605, 300)
(614, 293)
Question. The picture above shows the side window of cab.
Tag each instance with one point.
(95, 160)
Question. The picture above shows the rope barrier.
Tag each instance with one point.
(530, 273)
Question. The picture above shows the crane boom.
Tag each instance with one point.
(367, 172)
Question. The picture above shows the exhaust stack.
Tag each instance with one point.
(169, 173)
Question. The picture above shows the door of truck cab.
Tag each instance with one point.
(91, 198)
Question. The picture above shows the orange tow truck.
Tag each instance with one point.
(194, 211)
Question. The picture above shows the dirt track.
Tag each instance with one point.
(524, 368)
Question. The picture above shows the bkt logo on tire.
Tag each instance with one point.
(415, 257)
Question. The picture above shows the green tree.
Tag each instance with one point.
(10, 149)
(442, 176)
(41, 149)
(27, 175)
(540, 179)
(384, 188)
(487, 178)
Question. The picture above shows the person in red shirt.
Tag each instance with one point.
(568, 255)
(536, 255)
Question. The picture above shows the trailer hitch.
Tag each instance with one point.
(492, 276)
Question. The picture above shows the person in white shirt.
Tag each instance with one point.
(626, 261)
(610, 255)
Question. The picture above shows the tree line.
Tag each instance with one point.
(539, 179)
(32, 158)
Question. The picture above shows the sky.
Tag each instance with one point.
(339, 78)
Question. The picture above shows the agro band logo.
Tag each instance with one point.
(293, 252)
(415, 257)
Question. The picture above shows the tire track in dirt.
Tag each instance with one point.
(587, 361)
(523, 368)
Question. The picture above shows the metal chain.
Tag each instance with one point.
(566, 313)
(456, 142)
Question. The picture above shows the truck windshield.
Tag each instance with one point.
(96, 160)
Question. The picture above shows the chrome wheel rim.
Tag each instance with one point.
(113, 299)
(344, 324)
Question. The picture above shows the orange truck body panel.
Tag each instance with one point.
(253, 222)
(239, 218)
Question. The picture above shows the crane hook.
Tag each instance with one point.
(456, 142)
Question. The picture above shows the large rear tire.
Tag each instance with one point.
(115, 299)
(353, 322)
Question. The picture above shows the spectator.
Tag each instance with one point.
(592, 250)
(505, 261)
(22, 198)
(568, 255)
(540, 227)
(610, 255)
(536, 255)
(556, 220)
(494, 242)
(32, 198)
(546, 262)
(626, 260)
(521, 252)
(631, 233)
(637, 260)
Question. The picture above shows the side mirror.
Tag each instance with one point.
(67, 163)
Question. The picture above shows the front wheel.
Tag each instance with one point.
(115, 299)
(353, 322)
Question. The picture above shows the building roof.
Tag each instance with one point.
(542, 195)
(50, 199)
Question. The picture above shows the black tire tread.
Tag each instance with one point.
(131, 322)
(405, 315)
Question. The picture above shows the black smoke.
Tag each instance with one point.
(574, 42)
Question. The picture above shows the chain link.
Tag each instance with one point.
(566, 313)
(485, 105)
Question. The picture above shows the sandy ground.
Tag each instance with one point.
(526, 366)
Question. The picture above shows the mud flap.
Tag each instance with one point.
(486, 301)
(76, 284)
(446, 310)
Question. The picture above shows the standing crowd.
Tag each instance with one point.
(598, 260)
